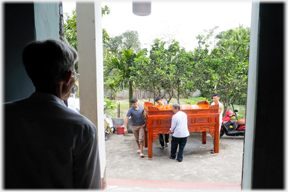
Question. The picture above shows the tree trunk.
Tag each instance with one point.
(123, 90)
(118, 110)
(173, 92)
(226, 105)
(130, 93)
(170, 95)
(234, 110)
(115, 95)
(178, 94)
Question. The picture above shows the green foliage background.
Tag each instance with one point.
(168, 70)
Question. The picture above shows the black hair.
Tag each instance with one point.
(216, 94)
(157, 99)
(133, 100)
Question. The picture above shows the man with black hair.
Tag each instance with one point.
(136, 112)
(159, 101)
(48, 145)
(216, 98)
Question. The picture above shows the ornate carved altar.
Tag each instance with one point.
(201, 118)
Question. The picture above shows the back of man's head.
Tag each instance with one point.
(176, 106)
(46, 61)
(157, 99)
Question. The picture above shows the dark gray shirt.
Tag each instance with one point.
(49, 146)
(136, 115)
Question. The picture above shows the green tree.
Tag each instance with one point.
(181, 78)
(127, 40)
(120, 70)
(151, 71)
(184, 74)
(169, 69)
(70, 29)
(225, 69)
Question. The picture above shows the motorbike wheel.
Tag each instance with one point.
(221, 133)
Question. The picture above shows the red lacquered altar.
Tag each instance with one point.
(201, 118)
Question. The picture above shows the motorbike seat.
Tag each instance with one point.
(241, 122)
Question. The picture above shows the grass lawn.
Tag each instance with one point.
(124, 106)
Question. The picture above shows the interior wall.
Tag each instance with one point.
(47, 20)
(23, 23)
(18, 31)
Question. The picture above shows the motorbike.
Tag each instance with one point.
(235, 128)
(108, 125)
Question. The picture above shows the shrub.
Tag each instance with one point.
(109, 104)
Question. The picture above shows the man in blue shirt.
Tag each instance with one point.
(138, 124)
(179, 128)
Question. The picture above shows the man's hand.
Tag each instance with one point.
(125, 125)
(144, 117)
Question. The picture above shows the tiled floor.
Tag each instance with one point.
(122, 184)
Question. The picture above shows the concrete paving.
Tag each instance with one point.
(199, 164)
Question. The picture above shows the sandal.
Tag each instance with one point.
(138, 151)
(141, 155)
(162, 147)
(166, 144)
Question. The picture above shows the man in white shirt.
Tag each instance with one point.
(216, 98)
(179, 129)
(48, 145)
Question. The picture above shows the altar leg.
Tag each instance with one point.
(150, 143)
(216, 137)
(145, 139)
(204, 137)
(216, 143)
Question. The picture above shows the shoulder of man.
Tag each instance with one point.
(16, 102)
(141, 107)
(80, 120)
(129, 111)
(183, 113)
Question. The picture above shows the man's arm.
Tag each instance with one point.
(173, 125)
(220, 108)
(125, 125)
(144, 116)
(86, 162)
